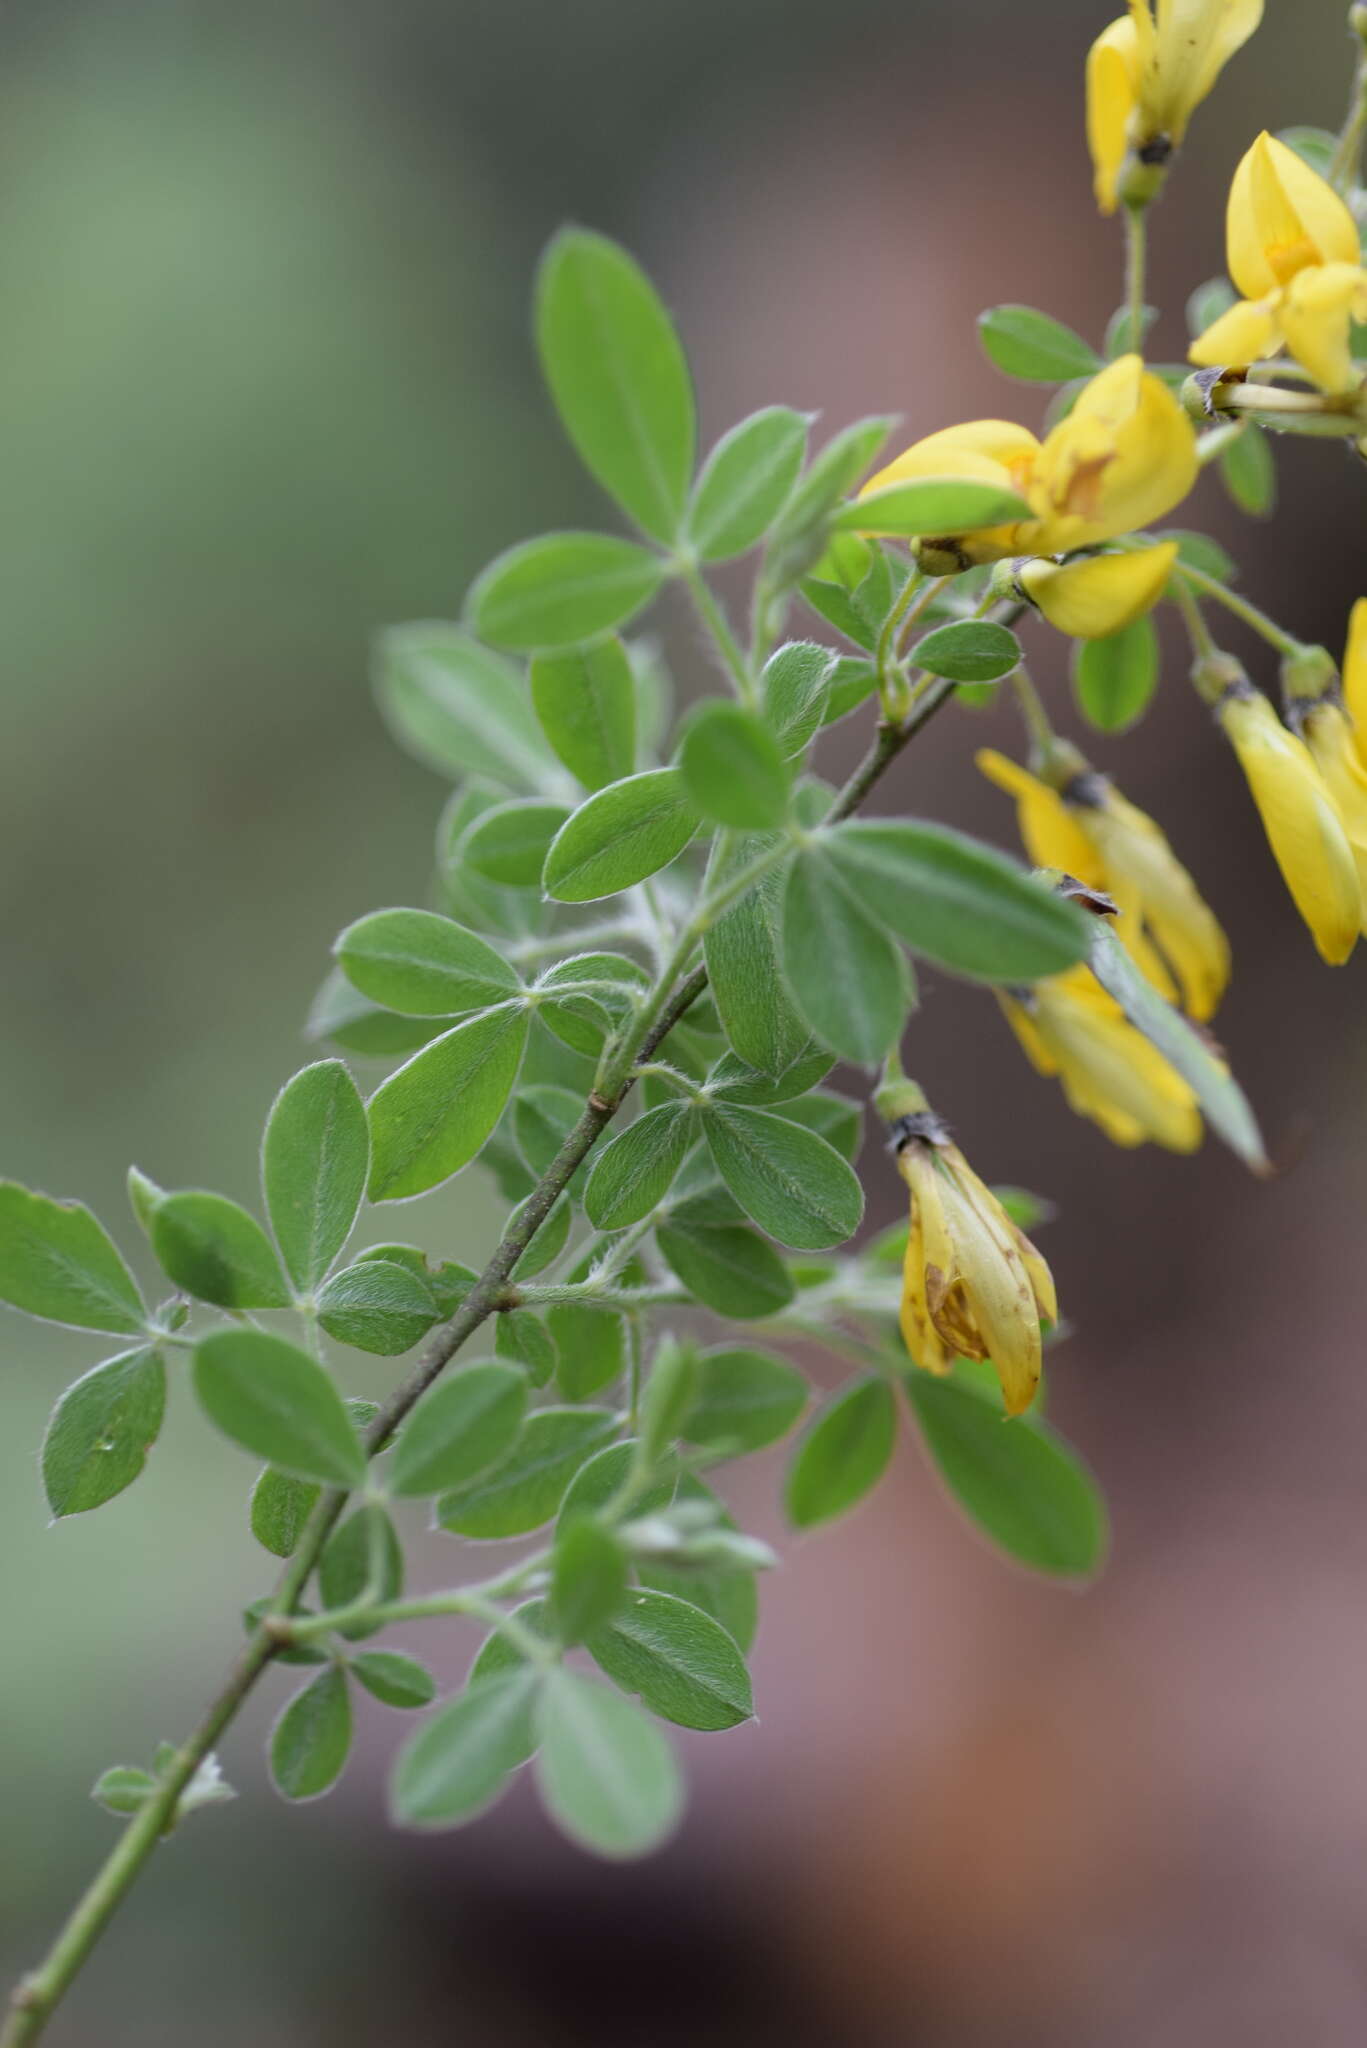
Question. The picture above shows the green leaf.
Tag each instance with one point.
(217, 1252)
(523, 1337)
(429, 1119)
(459, 1762)
(682, 1665)
(745, 482)
(363, 1560)
(101, 1431)
(273, 1399)
(124, 1789)
(57, 1262)
(1314, 146)
(508, 843)
(460, 1427)
(1223, 1102)
(1199, 551)
(525, 1491)
(800, 532)
(968, 651)
(1208, 302)
(666, 1399)
(729, 1266)
(280, 1506)
(1016, 1480)
(286, 1653)
(735, 1081)
(379, 1306)
(548, 1242)
(618, 376)
(561, 589)
(958, 902)
(619, 836)
(395, 1679)
(1249, 472)
(788, 1180)
(422, 963)
(793, 690)
(728, 1593)
(836, 1118)
(599, 1481)
(600, 990)
(586, 701)
(743, 1400)
(742, 954)
(932, 505)
(607, 1775)
(733, 767)
(588, 1579)
(349, 1019)
(543, 1117)
(592, 1347)
(851, 684)
(1114, 678)
(457, 707)
(1120, 336)
(843, 1455)
(851, 982)
(1033, 347)
(314, 1161)
(636, 1170)
(311, 1739)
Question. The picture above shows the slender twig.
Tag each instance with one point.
(38, 1996)
(1136, 232)
(1266, 628)
(1343, 165)
(718, 625)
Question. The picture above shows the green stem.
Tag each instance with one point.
(1266, 628)
(1343, 165)
(717, 624)
(1136, 251)
(39, 1994)
(1198, 632)
(904, 611)
(1032, 711)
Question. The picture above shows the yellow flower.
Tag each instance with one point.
(1293, 252)
(973, 1285)
(1355, 669)
(1090, 831)
(1126, 454)
(1094, 595)
(1300, 818)
(1071, 1027)
(1145, 79)
(1328, 717)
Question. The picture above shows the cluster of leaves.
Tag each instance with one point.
(593, 861)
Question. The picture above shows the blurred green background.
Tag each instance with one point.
(268, 385)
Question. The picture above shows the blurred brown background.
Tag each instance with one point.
(265, 273)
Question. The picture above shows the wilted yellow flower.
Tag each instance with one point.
(1126, 454)
(1301, 820)
(1317, 708)
(1070, 1027)
(1145, 78)
(1090, 831)
(973, 1285)
(1091, 596)
(1293, 252)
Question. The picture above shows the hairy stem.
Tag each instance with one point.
(1136, 237)
(39, 1994)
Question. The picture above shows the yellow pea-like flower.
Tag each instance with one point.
(1355, 672)
(1125, 455)
(973, 1285)
(1292, 250)
(1091, 596)
(1070, 1027)
(1146, 75)
(1301, 819)
(1088, 829)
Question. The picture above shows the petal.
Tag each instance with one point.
(1112, 74)
(1281, 217)
(1303, 828)
(1332, 741)
(1125, 455)
(1112, 1074)
(1048, 830)
(1196, 39)
(988, 451)
(1023, 1024)
(1355, 669)
(923, 1342)
(1099, 594)
(1134, 848)
(1245, 334)
(1317, 310)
